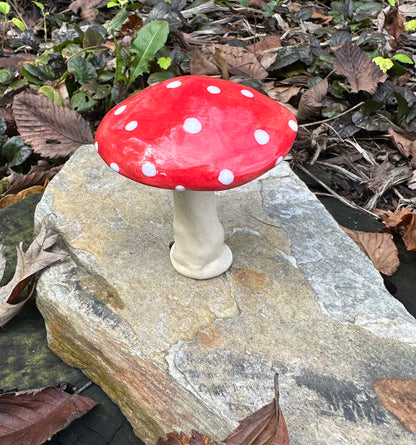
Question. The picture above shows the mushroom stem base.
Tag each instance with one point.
(199, 250)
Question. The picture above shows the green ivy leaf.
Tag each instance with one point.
(383, 64)
(149, 40)
(82, 70)
(403, 58)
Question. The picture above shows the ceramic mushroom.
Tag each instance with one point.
(196, 135)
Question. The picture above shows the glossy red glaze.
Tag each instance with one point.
(196, 133)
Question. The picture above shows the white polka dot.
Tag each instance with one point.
(96, 145)
(149, 169)
(213, 89)
(279, 160)
(247, 93)
(175, 84)
(131, 126)
(293, 125)
(192, 125)
(120, 110)
(226, 177)
(180, 188)
(261, 137)
(115, 167)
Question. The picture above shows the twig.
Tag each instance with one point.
(341, 198)
(332, 118)
(83, 388)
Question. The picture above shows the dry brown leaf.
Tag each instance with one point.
(406, 146)
(266, 426)
(310, 103)
(11, 199)
(379, 247)
(19, 182)
(51, 130)
(32, 417)
(35, 259)
(399, 398)
(181, 439)
(271, 41)
(394, 22)
(282, 94)
(359, 70)
(405, 219)
(200, 65)
(238, 61)
(85, 8)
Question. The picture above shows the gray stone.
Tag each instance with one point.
(179, 354)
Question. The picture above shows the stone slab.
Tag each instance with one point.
(178, 354)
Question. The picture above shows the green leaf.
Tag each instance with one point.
(4, 8)
(117, 21)
(244, 3)
(112, 4)
(6, 76)
(164, 62)
(403, 58)
(37, 74)
(392, 2)
(82, 70)
(15, 151)
(18, 23)
(159, 77)
(92, 37)
(410, 26)
(52, 94)
(40, 5)
(81, 102)
(149, 40)
(383, 64)
(120, 63)
(97, 90)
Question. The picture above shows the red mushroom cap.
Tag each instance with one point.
(195, 133)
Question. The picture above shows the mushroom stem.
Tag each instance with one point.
(199, 250)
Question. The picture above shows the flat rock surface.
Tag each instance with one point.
(179, 354)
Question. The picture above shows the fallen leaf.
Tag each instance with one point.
(407, 147)
(271, 41)
(32, 417)
(11, 199)
(358, 68)
(310, 103)
(85, 8)
(405, 219)
(19, 181)
(282, 94)
(51, 130)
(181, 439)
(394, 22)
(399, 398)
(238, 61)
(266, 426)
(379, 247)
(35, 259)
(200, 65)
